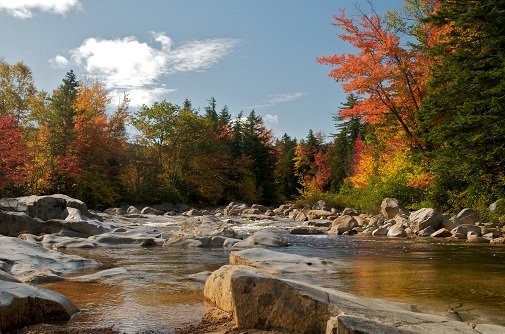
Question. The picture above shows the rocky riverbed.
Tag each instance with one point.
(46, 239)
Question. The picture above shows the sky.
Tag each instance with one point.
(247, 54)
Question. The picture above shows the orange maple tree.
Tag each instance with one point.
(389, 78)
(13, 155)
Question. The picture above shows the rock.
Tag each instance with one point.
(83, 227)
(451, 223)
(132, 210)
(381, 231)
(22, 305)
(441, 233)
(498, 206)
(100, 275)
(300, 217)
(390, 208)
(465, 228)
(44, 207)
(261, 239)
(261, 208)
(489, 329)
(475, 239)
(343, 224)
(200, 277)
(467, 216)
(182, 241)
(28, 261)
(261, 301)
(234, 209)
(193, 213)
(125, 239)
(182, 207)
(151, 211)
(498, 241)
(317, 214)
(349, 212)
(258, 300)
(423, 218)
(116, 211)
(397, 231)
(321, 205)
(14, 223)
(306, 230)
(278, 263)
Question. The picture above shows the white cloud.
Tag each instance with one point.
(271, 120)
(275, 99)
(127, 64)
(140, 96)
(24, 9)
(59, 62)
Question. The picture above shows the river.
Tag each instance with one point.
(156, 296)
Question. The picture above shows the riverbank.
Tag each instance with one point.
(160, 262)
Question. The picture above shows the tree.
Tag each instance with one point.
(464, 111)
(13, 155)
(16, 90)
(285, 178)
(387, 77)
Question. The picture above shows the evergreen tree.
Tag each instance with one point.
(464, 114)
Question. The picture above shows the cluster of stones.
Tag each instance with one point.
(396, 221)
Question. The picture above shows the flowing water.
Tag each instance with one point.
(155, 295)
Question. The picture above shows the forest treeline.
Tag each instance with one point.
(424, 121)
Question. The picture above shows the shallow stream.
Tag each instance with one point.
(156, 296)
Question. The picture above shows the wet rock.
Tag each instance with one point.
(343, 224)
(423, 218)
(100, 275)
(22, 305)
(151, 211)
(390, 208)
(200, 277)
(441, 233)
(261, 239)
(306, 230)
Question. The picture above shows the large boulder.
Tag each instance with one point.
(390, 208)
(397, 231)
(318, 214)
(467, 216)
(14, 223)
(30, 262)
(125, 239)
(234, 209)
(425, 217)
(343, 224)
(258, 300)
(463, 230)
(22, 305)
(44, 207)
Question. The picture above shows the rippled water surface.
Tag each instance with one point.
(156, 294)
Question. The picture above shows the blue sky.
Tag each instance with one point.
(247, 54)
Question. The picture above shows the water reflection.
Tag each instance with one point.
(155, 294)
